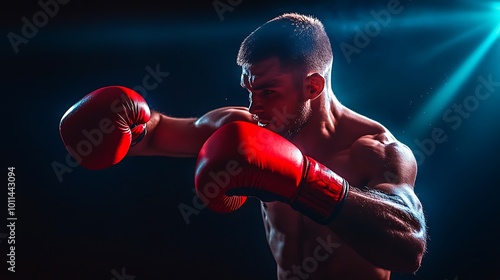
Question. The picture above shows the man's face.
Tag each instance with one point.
(276, 97)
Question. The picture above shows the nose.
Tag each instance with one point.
(255, 106)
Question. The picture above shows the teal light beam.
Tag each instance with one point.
(445, 94)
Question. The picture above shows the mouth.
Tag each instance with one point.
(261, 124)
(261, 121)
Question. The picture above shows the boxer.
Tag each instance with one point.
(337, 188)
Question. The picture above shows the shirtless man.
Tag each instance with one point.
(361, 221)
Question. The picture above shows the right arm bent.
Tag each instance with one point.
(184, 137)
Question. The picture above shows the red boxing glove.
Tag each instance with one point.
(241, 159)
(100, 128)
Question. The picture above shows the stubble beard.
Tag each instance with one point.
(292, 126)
(303, 116)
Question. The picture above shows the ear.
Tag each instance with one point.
(315, 83)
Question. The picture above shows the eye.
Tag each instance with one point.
(267, 92)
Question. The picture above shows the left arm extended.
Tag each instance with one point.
(384, 221)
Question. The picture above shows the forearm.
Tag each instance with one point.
(383, 229)
(183, 137)
(168, 136)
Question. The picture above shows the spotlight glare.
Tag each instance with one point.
(447, 91)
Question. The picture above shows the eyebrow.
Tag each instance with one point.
(267, 83)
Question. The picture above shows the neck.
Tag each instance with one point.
(326, 112)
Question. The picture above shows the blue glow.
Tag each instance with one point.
(445, 94)
(433, 19)
(458, 39)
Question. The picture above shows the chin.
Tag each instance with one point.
(287, 132)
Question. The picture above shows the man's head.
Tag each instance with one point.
(298, 41)
(286, 64)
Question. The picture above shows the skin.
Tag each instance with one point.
(381, 227)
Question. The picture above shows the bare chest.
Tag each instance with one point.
(293, 237)
(343, 164)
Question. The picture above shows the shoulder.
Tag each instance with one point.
(380, 146)
(384, 159)
(224, 115)
(380, 155)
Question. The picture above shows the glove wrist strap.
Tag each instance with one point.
(321, 192)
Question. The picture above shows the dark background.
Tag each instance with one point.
(93, 224)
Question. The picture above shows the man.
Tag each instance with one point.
(336, 187)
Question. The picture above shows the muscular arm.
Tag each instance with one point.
(183, 137)
(384, 221)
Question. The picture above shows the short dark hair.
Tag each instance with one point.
(299, 41)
